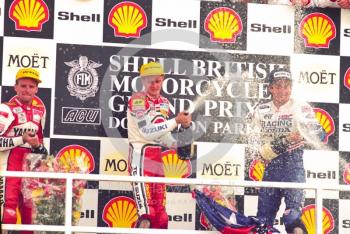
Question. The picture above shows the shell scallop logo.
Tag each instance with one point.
(223, 24)
(317, 30)
(346, 174)
(127, 19)
(76, 155)
(175, 167)
(29, 15)
(326, 121)
(120, 212)
(256, 170)
(308, 217)
(347, 78)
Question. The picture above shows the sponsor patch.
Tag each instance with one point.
(264, 108)
(17, 110)
(22, 118)
(36, 118)
(139, 114)
(138, 105)
(138, 102)
(164, 106)
(142, 123)
(164, 109)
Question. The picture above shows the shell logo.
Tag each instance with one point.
(127, 19)
(223, 25)
(256, 170)
(29, 15)
(326, 121)
(308, 217)
(346, 174)
(120, 212)
(76, 156)
(317, 30)
(347, 78)
(175, 167)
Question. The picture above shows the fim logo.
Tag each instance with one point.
(82, 78)
(317, 30)
(223, 25)
(175, 167)
(127, 20)
(120, 212)
(326, 121)
(308, 217)
(347, 78)
(29, 15)
(76, 156)
(256, 170)
(346, 174)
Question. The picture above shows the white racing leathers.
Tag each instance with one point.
(149, 130)
(271, 130)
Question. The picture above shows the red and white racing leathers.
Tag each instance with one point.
(149, 130)
(15, 119)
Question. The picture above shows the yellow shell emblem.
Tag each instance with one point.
(76, 158)
(223, 25)
(256, 170)
(326, 121)
(175, 167)
(308, 217)
(347, 78)
(29, 15)
(318, 30)
(346, 174)
(120, 212)
(127, 19)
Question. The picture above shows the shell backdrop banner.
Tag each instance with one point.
(216, 56)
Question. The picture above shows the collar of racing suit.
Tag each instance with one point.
(285, 105)
(154, 100)
(24, 106)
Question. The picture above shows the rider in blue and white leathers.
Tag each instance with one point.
(278, 130)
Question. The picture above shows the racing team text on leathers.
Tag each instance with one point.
(270, 135)
(16, 119)
(149, 130)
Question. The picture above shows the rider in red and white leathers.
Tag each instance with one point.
(21, 132)
(149, 130)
